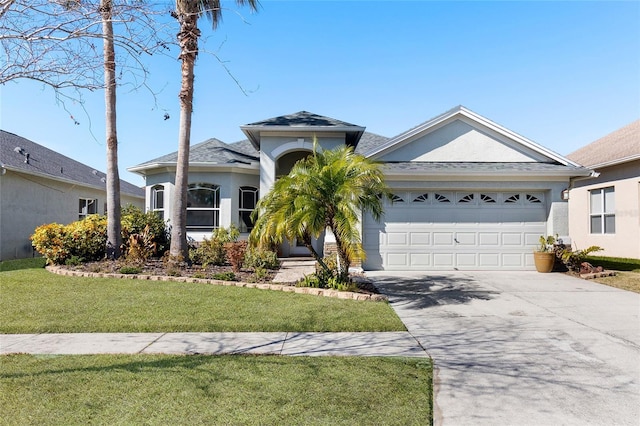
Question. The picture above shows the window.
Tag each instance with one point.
(203, 207)
(466, 198)
(488, 198)
(515, 198)
(87, 206)
(602, 208)
(248, 200)
(396, 199)
(157, 200)
(534, 199)
(421, 198)
(440, 198)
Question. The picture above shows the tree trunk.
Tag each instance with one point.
(114, 237)
(188, 40)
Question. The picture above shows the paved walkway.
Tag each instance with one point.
(308, 344)
(293, 269)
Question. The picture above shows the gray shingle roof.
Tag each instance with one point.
(615, 147)
(214, 151)
(369, 141)
(482, 168)
(302, 119)
(45, 161)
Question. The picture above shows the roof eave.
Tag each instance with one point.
(616, 161)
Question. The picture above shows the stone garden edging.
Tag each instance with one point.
(262, 286)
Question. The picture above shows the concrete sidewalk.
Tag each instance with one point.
(400, 344)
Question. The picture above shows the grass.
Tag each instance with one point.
(15, 265)
(36, 301)
(229, 390)
(628, 276)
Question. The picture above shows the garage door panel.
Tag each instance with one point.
(466, 260)
(419, 260)
(489, 238)
(397, 239)
(489, 259)
(513, 260)
(443, 260)
(395, 260)
(420, 239)
(443, 238)
(512, 239)
(465, 238)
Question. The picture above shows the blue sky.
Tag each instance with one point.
(562, 74)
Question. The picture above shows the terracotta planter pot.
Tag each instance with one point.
(544, 261)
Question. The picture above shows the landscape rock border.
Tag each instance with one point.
(59, 270)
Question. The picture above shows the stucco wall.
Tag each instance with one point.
(460, 141)
(27, 202)
(625, 242)
(229, 182)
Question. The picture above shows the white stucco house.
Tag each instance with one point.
(39, 185)
(469, 193)
(604, 210)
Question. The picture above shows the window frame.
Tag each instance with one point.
(214, 208)
(244, 209)
(84, 210)
(604, 212)
(155, 190)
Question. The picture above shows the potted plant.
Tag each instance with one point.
(544, 257)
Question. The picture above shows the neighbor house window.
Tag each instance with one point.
(602, 205)
(157, 200)
(87, 206)
(203, 207)
(248, 200)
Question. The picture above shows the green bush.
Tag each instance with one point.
(135, 221)
(224, 276)
(212, 252)
(86, 239)
(256, 258)
(128, 269)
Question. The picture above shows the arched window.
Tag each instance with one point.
(248, 200)
(203, 207)
(157, 200)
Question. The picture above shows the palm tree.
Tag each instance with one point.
(187, 13)
(328, 190)
(114, 237)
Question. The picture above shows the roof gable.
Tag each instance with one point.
(463, 136)
(302, 121)
(43, 161)
(617, 147)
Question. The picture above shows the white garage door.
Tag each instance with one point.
(447, 230)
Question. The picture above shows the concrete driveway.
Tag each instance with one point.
(523, 348)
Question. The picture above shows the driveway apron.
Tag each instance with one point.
(523, 348)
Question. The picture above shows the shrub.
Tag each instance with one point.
(574, 259)
(74, 261)
(256, 258)
(212, 252)
(141, 246)
(224, 276)
(88, 237)
(50, 241)
(130, 269)
(235, 254)
(134, 221)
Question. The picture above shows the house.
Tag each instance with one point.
(468, 193)
(39, 185)
(603, 211)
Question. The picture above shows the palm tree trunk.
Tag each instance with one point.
(188, 40)
(114, 237)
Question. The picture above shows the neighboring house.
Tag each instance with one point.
(603, 211)
(469, 194)
(38, 186)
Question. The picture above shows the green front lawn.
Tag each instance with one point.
(220, 390)
(36, 301)
(628, 276)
